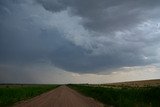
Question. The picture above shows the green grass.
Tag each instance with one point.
(122, 97)
(10, 94)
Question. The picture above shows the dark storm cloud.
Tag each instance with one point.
(32, 32)
(76, 59)
(52, 5)
(105, 15)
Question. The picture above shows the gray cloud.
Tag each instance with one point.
(79, 36)
(106, 15)
(52, 5)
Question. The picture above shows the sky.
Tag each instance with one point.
(79, 41)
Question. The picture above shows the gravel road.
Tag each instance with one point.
(62, 96)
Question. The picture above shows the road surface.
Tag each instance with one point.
(62, 96)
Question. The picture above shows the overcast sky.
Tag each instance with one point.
(79, 41)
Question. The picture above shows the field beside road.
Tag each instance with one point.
(142, 83)
(12, 93)
(123, 94)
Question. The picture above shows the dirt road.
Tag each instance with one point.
(62, 96)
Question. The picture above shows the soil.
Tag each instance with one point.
(62, 96)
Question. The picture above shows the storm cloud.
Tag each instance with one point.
(80, 36)
(106, 15)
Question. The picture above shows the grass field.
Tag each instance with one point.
(122, 97)
(141, 83)
(10, 94)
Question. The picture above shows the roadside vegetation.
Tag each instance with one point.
(122, 96)
(10, 94)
